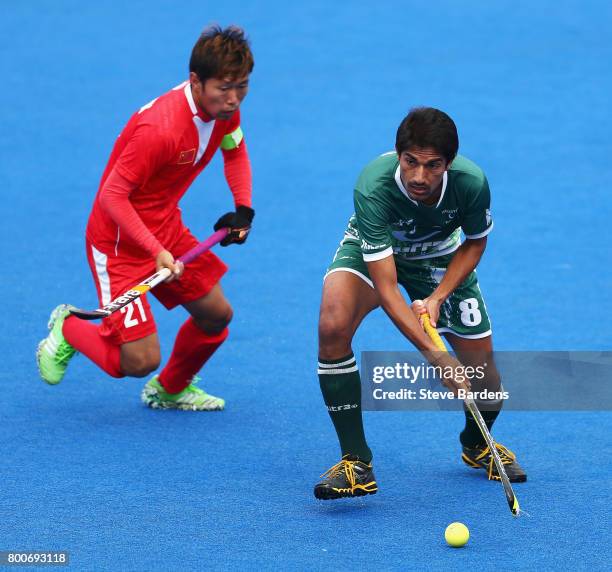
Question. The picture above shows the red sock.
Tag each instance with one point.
(85, 338)
(192, 349)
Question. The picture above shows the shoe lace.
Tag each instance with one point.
(507, 457)
(191, 388)
(344, 465)
(64, 353)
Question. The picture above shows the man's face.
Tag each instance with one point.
(422, 171)
(219, 97)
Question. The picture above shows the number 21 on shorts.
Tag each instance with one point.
(130, 318)
(470, 314)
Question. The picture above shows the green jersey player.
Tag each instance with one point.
(411, 206)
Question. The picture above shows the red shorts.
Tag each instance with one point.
(114, 275)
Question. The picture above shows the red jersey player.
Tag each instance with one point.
(135, 228)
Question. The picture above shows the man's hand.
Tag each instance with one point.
(238, 223)
(165, 260)
(430, 306)
(453, 372)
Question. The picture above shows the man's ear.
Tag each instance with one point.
(194, 79)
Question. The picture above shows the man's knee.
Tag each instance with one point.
(215, 322)
(486, 376)
(141, 363)
(334, 330)
(225, 317)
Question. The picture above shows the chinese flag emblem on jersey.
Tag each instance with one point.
(187, 157)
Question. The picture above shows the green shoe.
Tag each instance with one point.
(192, 398)
(54, 352)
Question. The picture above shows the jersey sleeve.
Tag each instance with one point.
(237, 166)
(373, 224)
(147, 151)
(237, 169)
(477, 221)
(114, 199)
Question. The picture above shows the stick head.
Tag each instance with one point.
(514, 507)
(89, 315)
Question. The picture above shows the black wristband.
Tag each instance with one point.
(246, 213)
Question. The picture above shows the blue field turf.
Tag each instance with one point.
(87, 469)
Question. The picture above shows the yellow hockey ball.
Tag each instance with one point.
(457, 534)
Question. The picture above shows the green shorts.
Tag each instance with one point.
(464, 313)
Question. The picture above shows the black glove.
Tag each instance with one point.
(238, 223)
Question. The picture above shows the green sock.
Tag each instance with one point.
(471, 436)
(341, 389)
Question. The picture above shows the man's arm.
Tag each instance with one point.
(465, 260)
(148, 149)
(237, 166)
(384, 276)
(114, 199)
(237, 169)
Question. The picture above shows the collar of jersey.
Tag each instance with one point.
(192, 104)
(400, 185)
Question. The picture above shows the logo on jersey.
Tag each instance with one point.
(450, 214)
(406, 222)
(367, 246)
(404, 229)
(408, 231)
(187, 157)
(426, 244)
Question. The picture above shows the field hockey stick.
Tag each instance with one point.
(152, 281)
(473, 409)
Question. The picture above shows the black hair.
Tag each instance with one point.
(219, 53)
(428, 127)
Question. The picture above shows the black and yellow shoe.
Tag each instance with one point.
(348, 478)
(481, 458)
